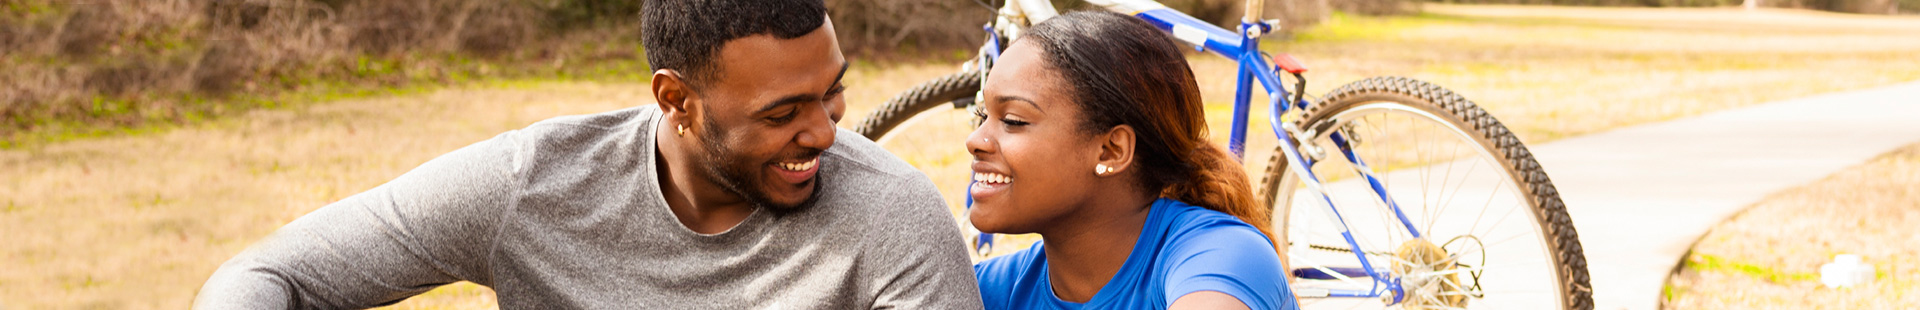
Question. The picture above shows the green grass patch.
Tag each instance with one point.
(1714, 263)
(1341, 27)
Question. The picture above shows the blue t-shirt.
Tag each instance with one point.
(1182, 249)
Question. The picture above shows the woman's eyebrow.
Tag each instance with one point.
(1004, 98)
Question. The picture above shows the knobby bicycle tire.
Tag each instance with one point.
(919, 99)
(1550, 211)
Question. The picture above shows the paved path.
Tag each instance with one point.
(1640, 196)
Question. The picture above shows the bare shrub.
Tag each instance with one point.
(253, 40)
(31, 88)
(383, 27)
(494, 29)
(1293, 14)
(1377, 7)
(139, 46)
(575, 14)
(871, 26)
(88, 29)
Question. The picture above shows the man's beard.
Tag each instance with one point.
(733, 173)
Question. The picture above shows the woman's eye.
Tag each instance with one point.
(1013, 122)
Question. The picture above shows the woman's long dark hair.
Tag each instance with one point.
(1123, 71)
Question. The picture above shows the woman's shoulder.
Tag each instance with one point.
(1183, 220)
(1206, 250)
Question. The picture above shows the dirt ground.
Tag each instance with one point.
(1769, 256)
(139, 221)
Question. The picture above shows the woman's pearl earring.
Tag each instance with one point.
(1100, 169)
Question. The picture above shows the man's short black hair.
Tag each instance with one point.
(686, 35)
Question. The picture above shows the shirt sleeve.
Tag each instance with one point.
(1233, 259)
(924, 261)
(431, 226)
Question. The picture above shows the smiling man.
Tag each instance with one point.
(734, 191)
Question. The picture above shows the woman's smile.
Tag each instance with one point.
(988, 181)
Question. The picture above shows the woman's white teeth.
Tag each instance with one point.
(801, 166)
(990, 177)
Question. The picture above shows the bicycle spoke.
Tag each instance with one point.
(1456, 189)
(1503, 218)
(1445, 212)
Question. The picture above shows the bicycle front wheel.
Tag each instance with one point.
(1473, 221)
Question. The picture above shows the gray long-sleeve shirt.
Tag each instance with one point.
(567, 213)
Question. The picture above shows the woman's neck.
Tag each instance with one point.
(1085, 254)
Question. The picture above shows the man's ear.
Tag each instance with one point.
(671, 92)
(1116, 150)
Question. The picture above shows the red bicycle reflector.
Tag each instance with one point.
(1289, 64)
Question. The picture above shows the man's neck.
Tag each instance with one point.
(1083, 257)
(696, 202)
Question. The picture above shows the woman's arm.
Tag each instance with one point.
(1207, 300)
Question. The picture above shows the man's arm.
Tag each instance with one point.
(924, 259)
(429, 227)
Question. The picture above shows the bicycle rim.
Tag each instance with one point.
(1457, 188)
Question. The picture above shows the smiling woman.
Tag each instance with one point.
(1111, 166)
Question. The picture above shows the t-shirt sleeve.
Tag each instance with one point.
(432, 226)
(1229, 258)
(924, 262)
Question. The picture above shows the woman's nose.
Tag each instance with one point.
(980, 142)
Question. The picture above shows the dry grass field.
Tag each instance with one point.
(1769, 256)
(138, 222)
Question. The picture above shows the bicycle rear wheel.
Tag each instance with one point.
(1492, 231)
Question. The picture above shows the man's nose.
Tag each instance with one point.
(817, 130)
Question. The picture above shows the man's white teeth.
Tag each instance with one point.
(989, 177)
(800, 166)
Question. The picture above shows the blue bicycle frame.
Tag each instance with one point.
(1255, 66)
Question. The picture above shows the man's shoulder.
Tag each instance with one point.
(866, 157)
(862, 167)
(596, 136)
(866, 179)
(626, 121)
(581, 148)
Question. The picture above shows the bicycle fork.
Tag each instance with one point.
(1293, 142)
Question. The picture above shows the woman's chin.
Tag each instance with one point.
(987, 224)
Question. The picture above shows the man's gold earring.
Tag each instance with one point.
(682, 130)
(1101, 169)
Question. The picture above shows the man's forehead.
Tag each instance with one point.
(759, 66)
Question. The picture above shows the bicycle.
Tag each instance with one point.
(1319, 164)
